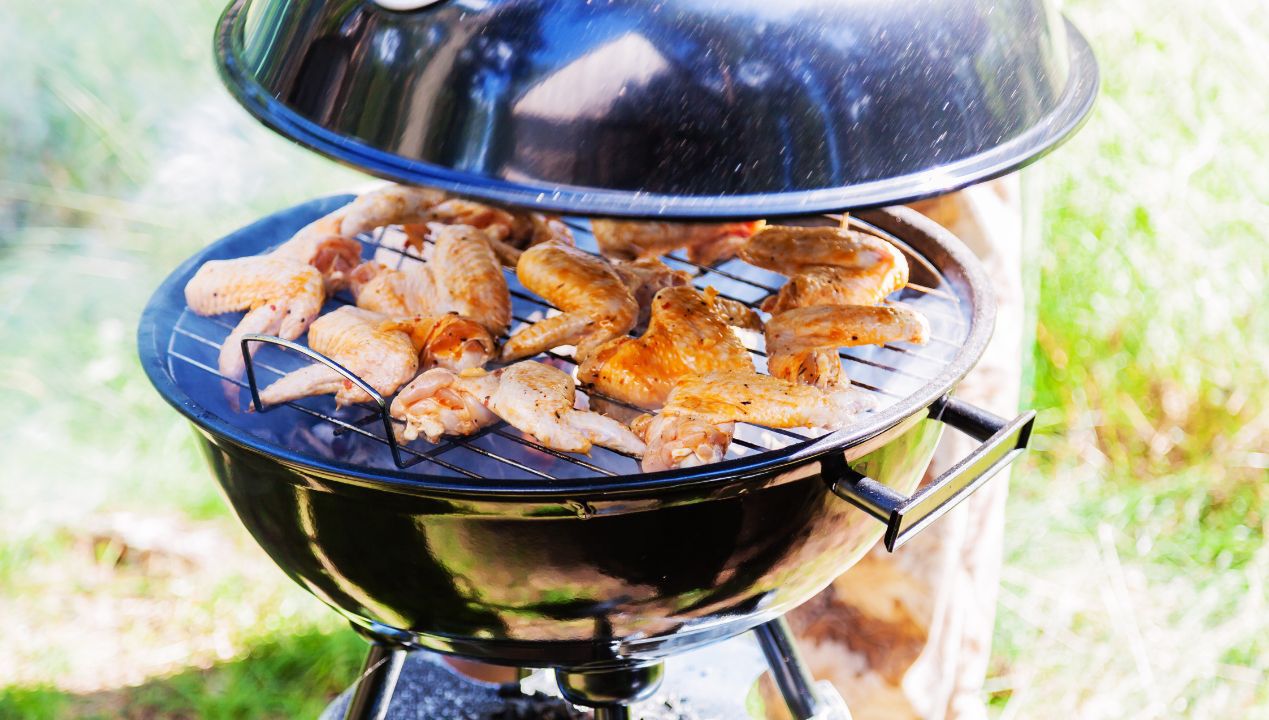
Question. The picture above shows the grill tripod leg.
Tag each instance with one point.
(613, 712)
(795, 684)
(377, 681)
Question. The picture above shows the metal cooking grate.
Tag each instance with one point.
(312, 426)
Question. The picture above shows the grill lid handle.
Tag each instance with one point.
(1002, 441)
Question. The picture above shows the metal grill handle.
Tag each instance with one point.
(1002, 441)
(349, 375)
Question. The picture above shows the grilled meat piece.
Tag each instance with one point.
(449, 341)
(686, 337)
(393, 292)
(594, 302)
(697, 422)
(706, 243)
(441, 402)
(802, 343)
(467, 278)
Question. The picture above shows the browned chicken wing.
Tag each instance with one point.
(364, 343)
(321, 245)
(827, 266)
(686, 336)
(509, 232)
(706, 243)
(594, 302)
(802, 343)
(281, 295)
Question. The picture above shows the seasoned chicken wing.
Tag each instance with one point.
(644, 279)
(321, 245)
(532, 397)
(594, 302)
(764, 400)
(467, 278)
(393, 292)
(390, 205)
(706, 243)
(790, 249)
(681, 441)
(827, 266)
(695, 426)
(802, 343)
(449, 341)
(281, 295)
(538, 399)
(441, 402)
(686, 336)
(364, 343)
(509, 232)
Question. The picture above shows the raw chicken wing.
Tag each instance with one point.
(467, 278)
(538, 399)
(441, 402)
(393, 292)
(282, 296)
(359, 340)
(449, 341)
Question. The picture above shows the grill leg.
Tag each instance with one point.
(613, 712)
(378, 679)
(786, 668)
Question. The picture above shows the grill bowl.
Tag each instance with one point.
(560, 571)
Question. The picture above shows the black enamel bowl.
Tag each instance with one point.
(583, 570)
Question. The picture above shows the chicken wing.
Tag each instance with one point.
(449, 341)
(467, 278)
(706, 243)
(509, 232)
(686, 337)
(532, 397)
(802, 343)
(393, 292)
(538, 399)
(362, 342)
(698, 420)
(441, 402)
(644, 279)
(827, 266)
(282, 296)
(594, 302)
(681, 441)
(321, 245)
(390, 205)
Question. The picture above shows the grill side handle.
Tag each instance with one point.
(1001, 442)
(315, 356)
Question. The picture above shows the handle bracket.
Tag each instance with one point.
(1002, 441)
(390, 436)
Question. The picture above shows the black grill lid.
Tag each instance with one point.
(670, 108)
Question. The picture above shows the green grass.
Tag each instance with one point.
(1136, 562)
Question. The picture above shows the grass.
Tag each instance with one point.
(1136, 562)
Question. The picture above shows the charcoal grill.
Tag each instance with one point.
(495, 548)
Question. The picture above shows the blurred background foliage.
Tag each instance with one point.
(1136, 563)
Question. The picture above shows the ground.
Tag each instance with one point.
(1136, 563)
